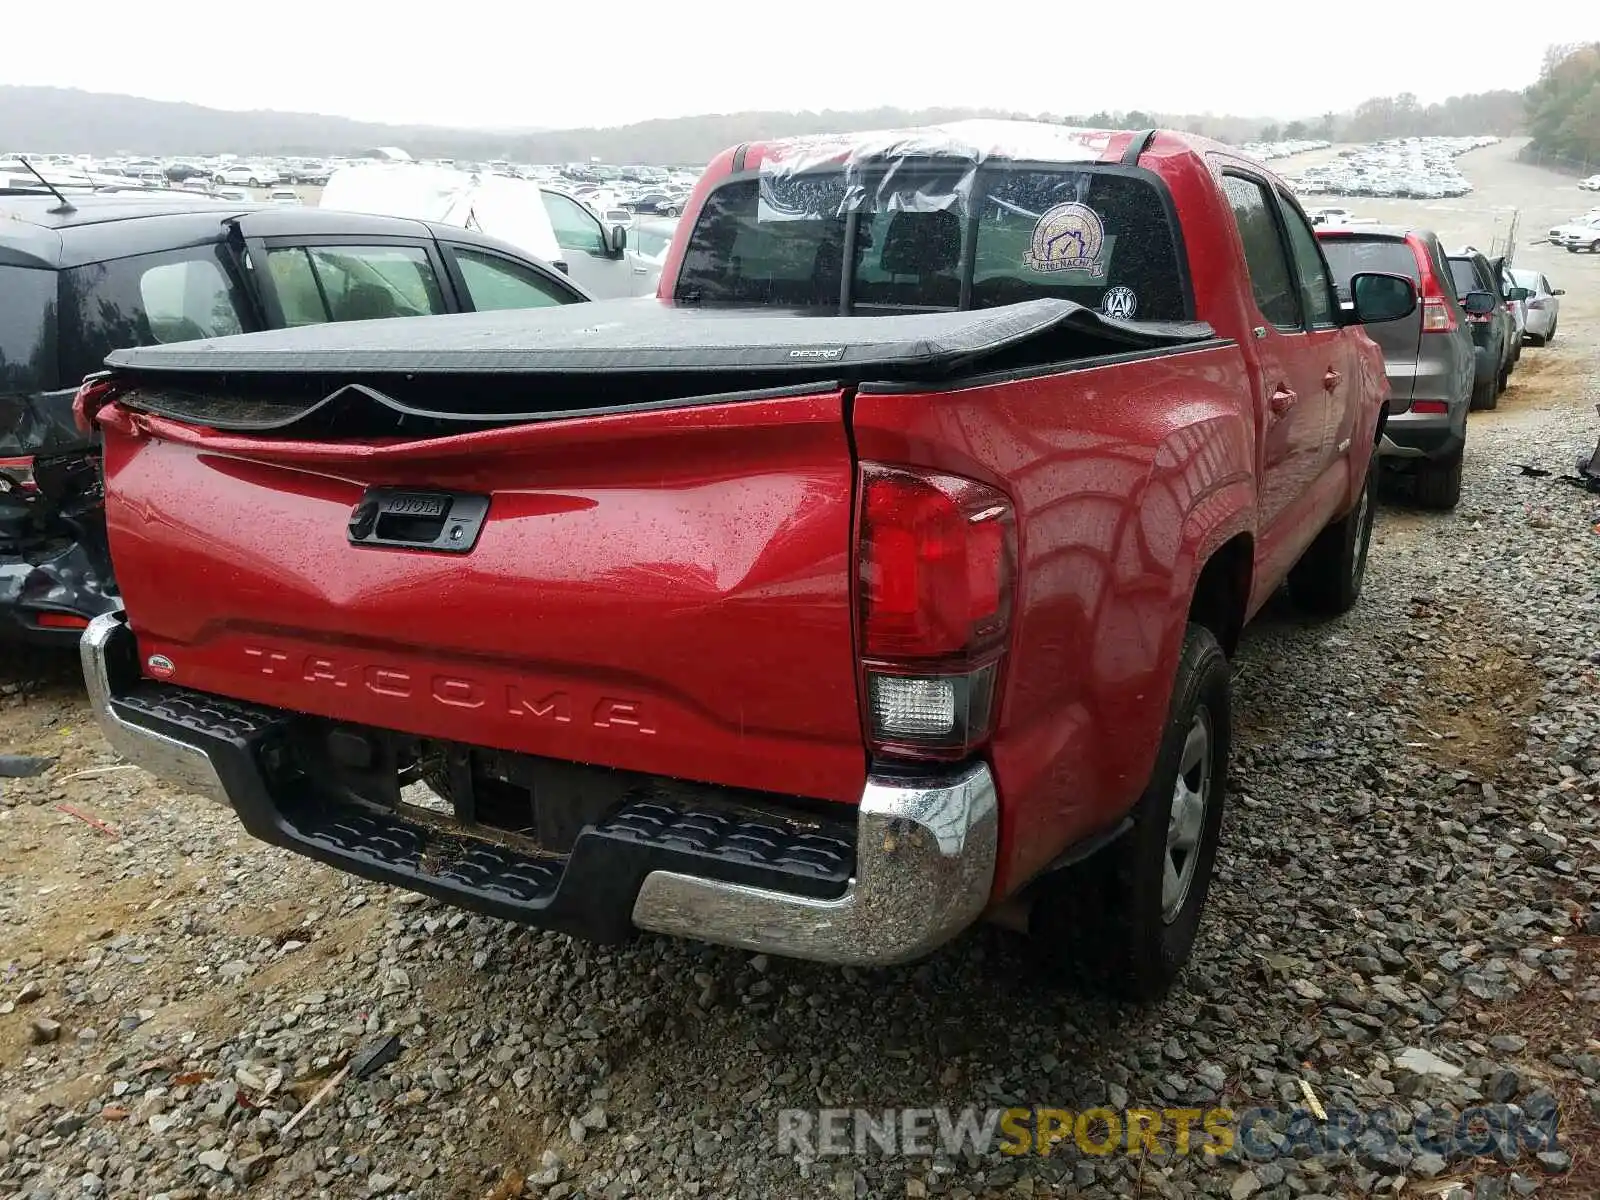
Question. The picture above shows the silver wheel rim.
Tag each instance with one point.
(1186, 820)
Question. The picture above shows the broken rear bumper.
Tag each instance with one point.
(914, 869)
(46, 599)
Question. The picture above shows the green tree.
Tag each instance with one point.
(1270, 133)
(1564, 105)
(1295, 131)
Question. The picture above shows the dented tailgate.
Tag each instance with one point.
(662, 591)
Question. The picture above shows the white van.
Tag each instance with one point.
(543, 221)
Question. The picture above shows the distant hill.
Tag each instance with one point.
(63, 120)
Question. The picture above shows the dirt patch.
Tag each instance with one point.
(1476, 695)
(1557, 377)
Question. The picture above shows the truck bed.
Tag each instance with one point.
(621, 355)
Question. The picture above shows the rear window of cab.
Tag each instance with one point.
(932, 240)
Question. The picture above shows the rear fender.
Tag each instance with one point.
(1123, 475)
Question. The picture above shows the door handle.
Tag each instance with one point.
(1282, 399)
(1332, 379)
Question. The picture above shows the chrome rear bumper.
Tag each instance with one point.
(925, 861)
(186, 767)
(926, 847)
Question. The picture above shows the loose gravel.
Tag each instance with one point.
(1407, 913)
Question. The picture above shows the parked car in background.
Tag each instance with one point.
(544, 221)
(1580, 233)
(1492, 332)
(247, 175)
(1544, 306)
(231, 194)
(1591, 184)
(283, 196)
(136, 268)
(1517, 305)
(1428, 357)
(661, 204)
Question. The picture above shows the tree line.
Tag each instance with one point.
(1564, 105)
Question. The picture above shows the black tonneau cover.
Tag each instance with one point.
(655, 336)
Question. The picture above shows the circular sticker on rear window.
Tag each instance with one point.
(1068, 237)
(1119, 303)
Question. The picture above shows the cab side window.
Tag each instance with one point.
(1270, 275)
(576, 228)
(497, 283)
(1316, 288)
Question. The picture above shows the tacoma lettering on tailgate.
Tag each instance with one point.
(453, 691)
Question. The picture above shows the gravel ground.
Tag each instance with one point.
(1407, 913)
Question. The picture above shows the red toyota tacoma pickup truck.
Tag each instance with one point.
(878, 576)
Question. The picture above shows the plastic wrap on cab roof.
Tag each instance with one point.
(926, 169)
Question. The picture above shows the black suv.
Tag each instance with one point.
(82, 274)
(1494, 334)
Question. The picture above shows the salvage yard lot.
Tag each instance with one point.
(1411, 861)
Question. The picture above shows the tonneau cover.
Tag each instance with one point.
(651, 335)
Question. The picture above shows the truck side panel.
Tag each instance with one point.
(665, 592)
(1123, 476)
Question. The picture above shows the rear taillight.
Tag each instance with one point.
(1437, 314)
(1429, 406)
(936, 562)
(93, 395)
(19, 473)
(60, 620)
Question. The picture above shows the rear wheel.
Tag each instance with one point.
(1551, 336)
(1126, 919)
(1439, 482)
(1328, 578)
(1485, 394)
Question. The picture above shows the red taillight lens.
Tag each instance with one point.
(937, 560)
(936, 564)
(1437, 315)
(1429, 406)
(93, 395)
(60, 620)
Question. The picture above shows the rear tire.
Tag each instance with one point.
(1551, 336)
(1327, 580)
(1439, 483)
(1125, 920)
(1485, 395)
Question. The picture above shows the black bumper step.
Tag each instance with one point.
(589, 892)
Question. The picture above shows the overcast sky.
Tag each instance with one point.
(563, 64)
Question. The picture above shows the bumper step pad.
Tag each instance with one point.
(589, 892)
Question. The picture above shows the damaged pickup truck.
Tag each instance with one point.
(879, 576)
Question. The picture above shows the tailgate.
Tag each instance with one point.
(662, 591)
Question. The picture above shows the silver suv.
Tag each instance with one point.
(1429, 356)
